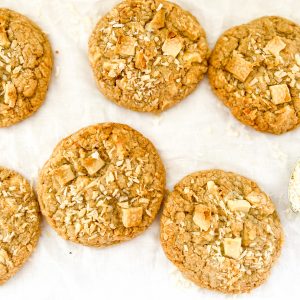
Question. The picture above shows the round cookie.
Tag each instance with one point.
(147, 55)
(102, 185)
(19, 222)
(25, 67)
(221, 231)
(255, 70)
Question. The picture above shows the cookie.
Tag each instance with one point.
(255, 70)
(147, 55)
(25, 67)
(19, 222)
(221, 231)
(102, 185)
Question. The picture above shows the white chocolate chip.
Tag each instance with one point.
(239, 205)
(275, 46)
(254, 198)
(159, 7)
(93, 165)
(95, 155)
(172, 46)
(140, 61)
(117, 25)
(202, 216)
(280, 93)
(64, 174)
(10, 94)
(4, 41)
(239, 67)
(232, 247)
(126, 46)
(114, 68)
(192, 57)
(212, 188)
(132, 216)
(261, 200)
(3, 256)
(297, 58)
(157, 22)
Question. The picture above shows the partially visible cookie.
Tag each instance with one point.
(102, 185)
(19, 222)
(255, 70)
(221, 231)
(25, 67)
(147, 55)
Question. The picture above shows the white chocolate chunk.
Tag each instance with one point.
(3, 256)
(114, 68)
(239, 67)
(30, 88)
(239, 205)
(157, 22)
(109, 177)
(126, 46)
(10, 94)
(212, 188)
(93, 165)
(262, 201)
(280, 93)
(95, 155)
(140, 61)
(132, 216)
(64, 174)
(159, 7)
(254, 198)
(192, 57)
(274, 46)
(202, 216)
(172, 46)
(210, 185)
(232, 247)
(297, 58)
(4, 41)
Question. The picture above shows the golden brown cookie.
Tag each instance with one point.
(147, 55)
(102, 185)
(221, 231)
(255, 70)
(19, 222)
(25, 67)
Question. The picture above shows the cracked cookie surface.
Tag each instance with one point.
(147, 55)
(102, 185)
(255, 70)
(221, 231)
(25, 67)
(19, 222)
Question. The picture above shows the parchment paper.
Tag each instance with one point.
(197, 134)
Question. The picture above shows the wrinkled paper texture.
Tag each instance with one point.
(197, 134)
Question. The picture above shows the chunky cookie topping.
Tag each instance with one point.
(148, 55)
(19, 222)
(221, 231)
(25, 67)
(255, 70)
(102, 185)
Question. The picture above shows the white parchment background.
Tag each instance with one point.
(197, 134)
